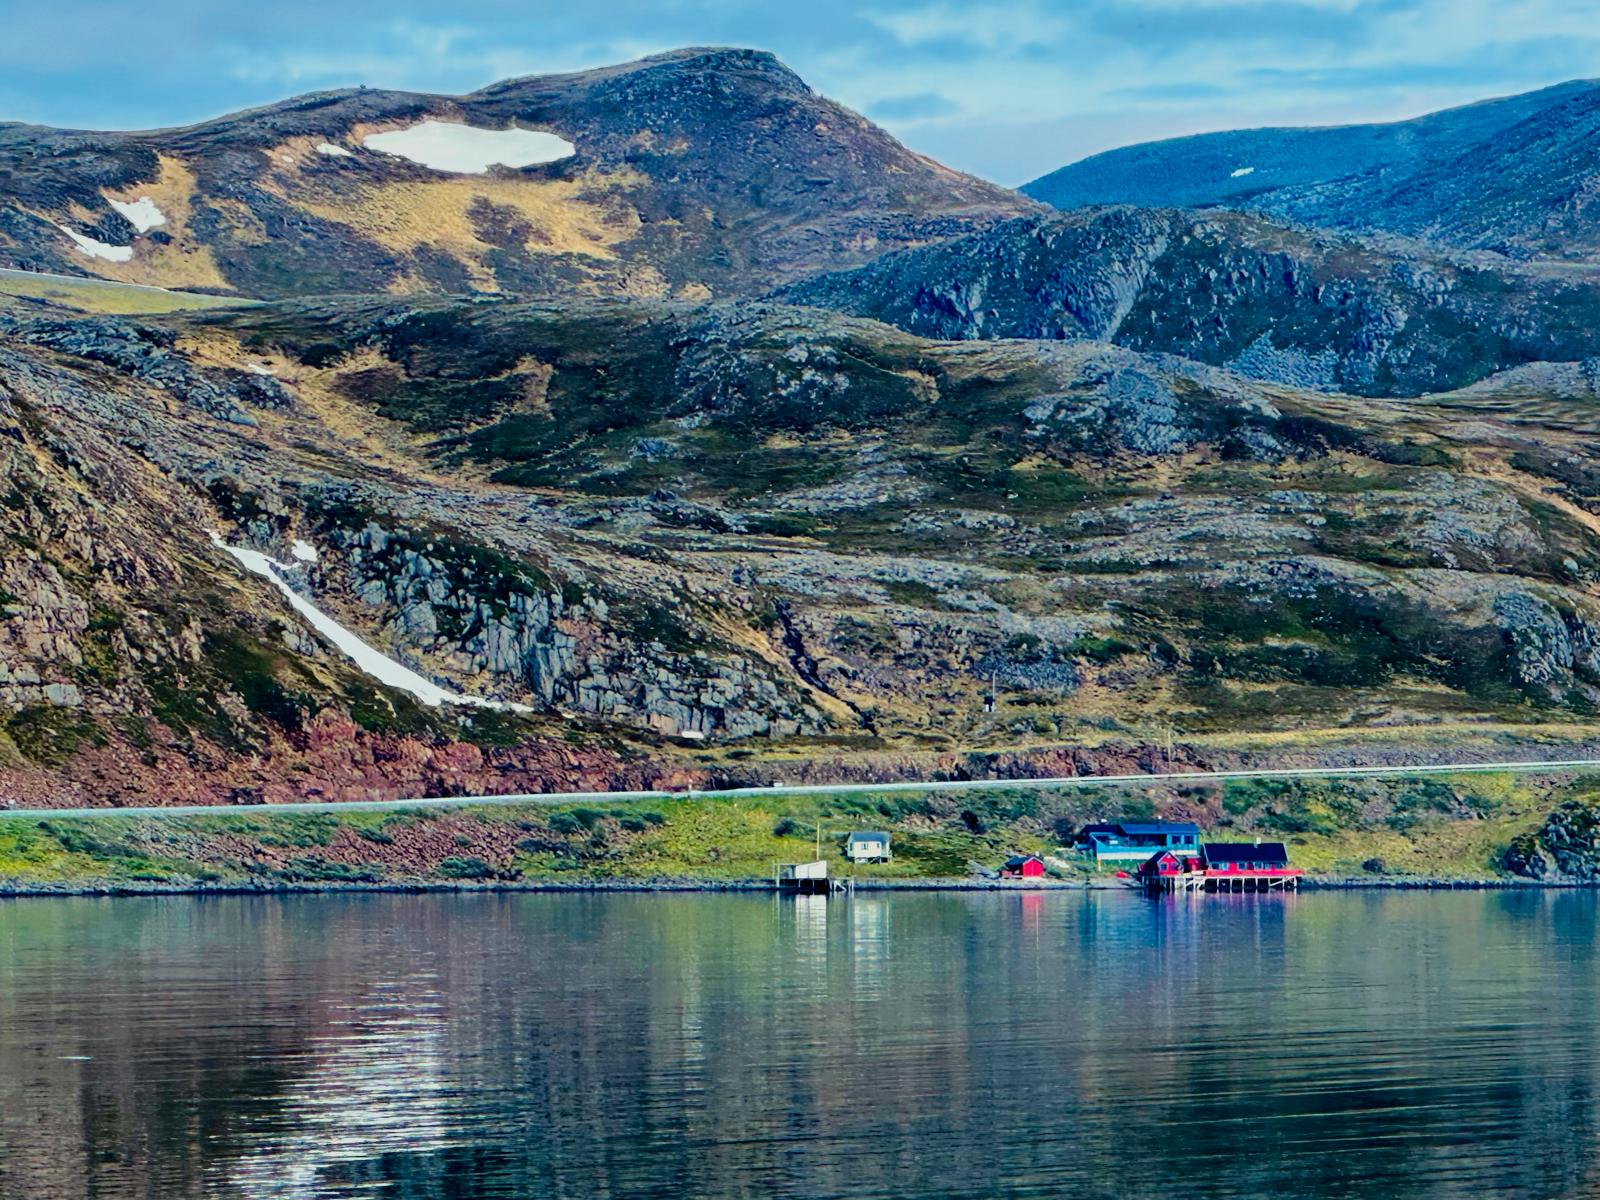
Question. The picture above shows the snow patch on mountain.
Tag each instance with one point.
(333, 151)
(469, 150)
(98, 249)
(143, 214)
(1241, 172)
(370, 660)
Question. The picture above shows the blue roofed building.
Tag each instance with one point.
(1135, 841)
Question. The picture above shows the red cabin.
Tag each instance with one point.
(1247, 859)
(1023, 866)
(1221, 867)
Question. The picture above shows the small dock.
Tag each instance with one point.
(806, 879)
(1232, 881)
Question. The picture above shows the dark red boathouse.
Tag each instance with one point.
(1023, 866)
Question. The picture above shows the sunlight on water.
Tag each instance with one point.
(376, 1081)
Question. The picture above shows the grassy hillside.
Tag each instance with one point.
(1454, 827)
(105, 296)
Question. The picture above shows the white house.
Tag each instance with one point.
(867, 847)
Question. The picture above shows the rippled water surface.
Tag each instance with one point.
(1041, 1044)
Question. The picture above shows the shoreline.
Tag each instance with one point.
(1409, 840)
(12, 890)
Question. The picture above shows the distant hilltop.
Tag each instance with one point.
(1515, 175)
(697, 173)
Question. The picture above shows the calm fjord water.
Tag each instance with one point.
(1039, 1044)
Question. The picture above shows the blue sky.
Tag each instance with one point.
(1008, 89)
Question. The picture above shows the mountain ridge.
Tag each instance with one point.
(706, 170)
(1438, 176)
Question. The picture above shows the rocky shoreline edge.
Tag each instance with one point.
(15, 890)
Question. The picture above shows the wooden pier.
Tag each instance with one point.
(806, 879)
(1236, 881)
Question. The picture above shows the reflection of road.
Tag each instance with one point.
(1515, 767)
(371, 1085)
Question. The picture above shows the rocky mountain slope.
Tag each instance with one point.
(1515, 176)
(770, 530)
(1312, 309)
(700, 172)
(795, 456)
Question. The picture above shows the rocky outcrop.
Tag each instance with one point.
(505, 628)
(1550, 648)
(1565, 849)
(1303, 308)
(146, 354)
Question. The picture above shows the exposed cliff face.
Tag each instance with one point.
(763, 525)
(1302, 308)
(699, 171)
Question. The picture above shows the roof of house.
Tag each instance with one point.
(1142, 827)
(1139, 829)
(1258, 852)
(867, 835)
(1016, 860)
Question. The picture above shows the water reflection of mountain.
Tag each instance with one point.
(933, 1044)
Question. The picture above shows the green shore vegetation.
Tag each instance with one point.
(1437, 827)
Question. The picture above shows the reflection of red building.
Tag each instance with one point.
(1030, 906)
(1023, 866)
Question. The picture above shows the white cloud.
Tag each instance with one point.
(994, 27)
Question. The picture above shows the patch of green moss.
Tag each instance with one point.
(658, 623)
(465, 869)
(311, 869)
(913, 593)
(1323, 636)
(50, 736)
(1099, 648)
(392, 713)
(277, 829)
